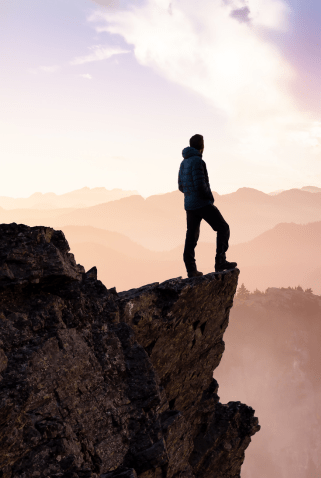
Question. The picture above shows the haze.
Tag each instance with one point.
(275, 238)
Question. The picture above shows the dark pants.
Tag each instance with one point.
(215, 219)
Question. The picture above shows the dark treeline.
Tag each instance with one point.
(243, 293)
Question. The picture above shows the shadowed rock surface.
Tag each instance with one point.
(99, 384)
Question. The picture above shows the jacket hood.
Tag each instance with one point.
(189, 151)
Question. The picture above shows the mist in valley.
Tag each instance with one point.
(272, 361)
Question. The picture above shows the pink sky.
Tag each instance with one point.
(101, 93)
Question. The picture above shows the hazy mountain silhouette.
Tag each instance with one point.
(120, 262)
(112, 240)
(310, 189)
(83, 197)
(159, 222)
(274, 193)
(287, 255)
(273, 355)
(32, 216)
(116, 269)
(275, 258)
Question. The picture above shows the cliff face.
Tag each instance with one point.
(100, 384)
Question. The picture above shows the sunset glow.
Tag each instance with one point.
(108, 94)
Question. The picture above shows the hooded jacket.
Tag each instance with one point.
(193, 180)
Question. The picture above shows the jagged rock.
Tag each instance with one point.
(99, 384)
(35, 255)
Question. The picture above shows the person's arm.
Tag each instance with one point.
(180, 183)
(207, 182)
(200, 179)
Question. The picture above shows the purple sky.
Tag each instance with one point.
(108, 93)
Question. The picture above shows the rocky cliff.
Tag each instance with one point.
(96, 383)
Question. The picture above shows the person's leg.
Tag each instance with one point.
(192, 235)
(214, 218)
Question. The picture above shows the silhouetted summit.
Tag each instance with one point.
(100, 384)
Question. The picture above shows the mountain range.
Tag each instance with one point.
(276, 258)
(310, 189)
(159, 222)
(83, 197)
(133, 241)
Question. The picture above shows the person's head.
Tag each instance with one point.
(197, 142)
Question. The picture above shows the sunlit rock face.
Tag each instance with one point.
(96, 383)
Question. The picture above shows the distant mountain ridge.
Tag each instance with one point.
(287, 255)
(84, 197)
(87, 197)
(310, 189)
(159, 221)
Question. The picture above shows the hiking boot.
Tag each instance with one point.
(223, 265)
(194, 274)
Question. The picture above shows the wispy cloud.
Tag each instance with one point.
(107, 3)
(241, 14)
(46, 69)
(87, 76)
(206, 50)
(49, 69)
(218, 52)
(99, 53)
(308, 135)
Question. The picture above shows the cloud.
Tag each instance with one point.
(46, 69)
(205, 50)
(49, 69)
(271, 14)
(99, 52)
(107, 3)
(308, 135)
(241, 14)
(225, 61)
(86, 75)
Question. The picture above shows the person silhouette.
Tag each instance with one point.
(199, 204)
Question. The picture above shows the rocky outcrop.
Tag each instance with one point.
(96, 383)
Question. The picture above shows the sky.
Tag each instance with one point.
(107, 93)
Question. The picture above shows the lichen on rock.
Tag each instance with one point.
(96, 383)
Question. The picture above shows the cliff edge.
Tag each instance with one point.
(96, 383)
